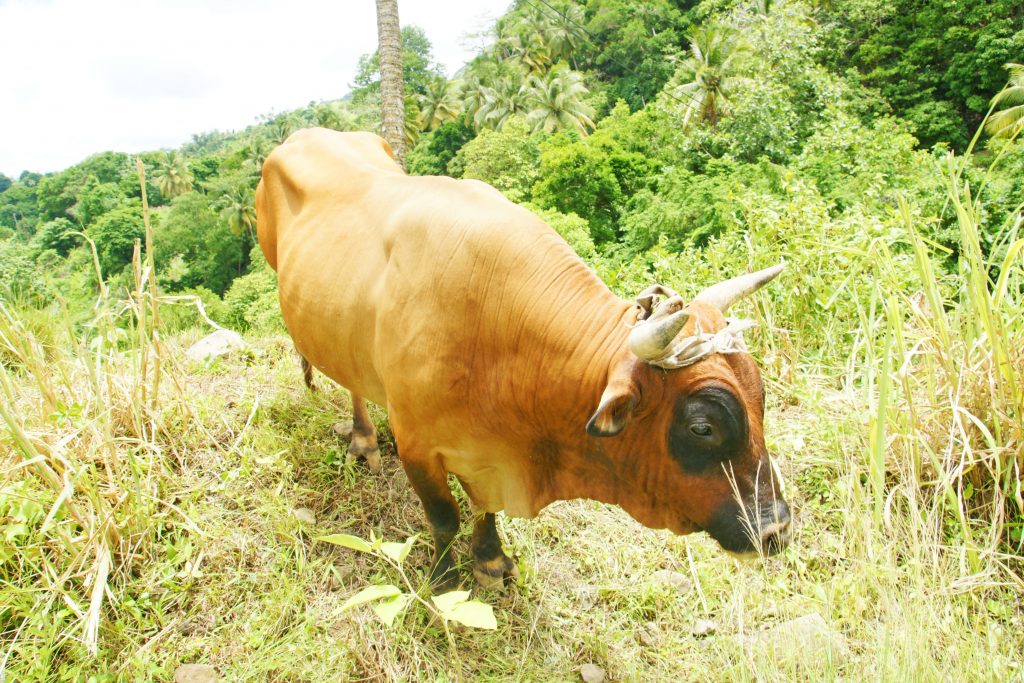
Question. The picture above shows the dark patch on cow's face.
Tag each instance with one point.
(714, 439)
(709, 426)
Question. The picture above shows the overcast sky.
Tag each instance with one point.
(84, 76)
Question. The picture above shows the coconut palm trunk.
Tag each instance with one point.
(392, 104)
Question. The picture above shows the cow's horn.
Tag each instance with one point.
(725, 294)
(650, 340)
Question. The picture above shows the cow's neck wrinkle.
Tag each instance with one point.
(573, 334)
(586, 345)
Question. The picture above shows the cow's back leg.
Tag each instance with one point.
(430, 481)
(491, 566)
(364, 436)
(307, 372)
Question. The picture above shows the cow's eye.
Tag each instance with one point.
(709, 427)
(701, 429)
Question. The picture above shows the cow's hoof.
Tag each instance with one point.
(373, 460)
(492, 573)
(370, 455)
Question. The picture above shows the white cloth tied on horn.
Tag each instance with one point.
(688, 349)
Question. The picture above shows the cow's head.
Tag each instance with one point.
(686, 404)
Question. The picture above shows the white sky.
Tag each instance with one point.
(84, 76)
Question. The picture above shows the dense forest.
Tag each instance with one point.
(633, 128)
(874, 147)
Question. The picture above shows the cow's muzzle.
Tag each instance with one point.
(749, 531)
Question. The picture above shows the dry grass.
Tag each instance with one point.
(148, 515)
(212, 565)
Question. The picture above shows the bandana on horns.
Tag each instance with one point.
(687, 350)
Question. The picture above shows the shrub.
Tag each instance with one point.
(183, 314)
(199, 243)
(114, 234)
(94, 200)
(57, 235)
(252, 301)
(436, 149)
(20, 279)
(689, 208)
(507, 159)
(595, 177)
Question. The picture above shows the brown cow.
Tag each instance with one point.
(502, 359)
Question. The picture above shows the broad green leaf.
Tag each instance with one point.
(369, 594)
(398, 551)
(446, 601)
(347, 541)
(474, 613)
(388, 609)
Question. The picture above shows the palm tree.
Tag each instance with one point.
(172, 176)
(1009, 122)
(439, 104)
(283, 125)
(236, 207)
(556, 102)
(392, 104)
(475, 79)
(472, 95)
(706, 78)
(564, 32)
(531, 51)
(507, 97)
(411, 123)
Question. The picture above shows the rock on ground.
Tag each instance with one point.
(592, 673)
(343, 429)
(195, 673)
(672, 579)
(650, 634)
(304, 515)
(703, 627)
(805, 639)
(216, 344)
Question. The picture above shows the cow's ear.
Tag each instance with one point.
(617, 405)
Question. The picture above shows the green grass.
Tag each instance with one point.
(215, 567)
(147, 509)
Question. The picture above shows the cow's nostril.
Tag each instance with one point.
(774, 542)
(775, 530)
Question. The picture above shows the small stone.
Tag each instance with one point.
(703, 628)
(587, 597)
(650, 634)
(592, 673)
(195, 673)
(304, 515)
(216, 344)
(343, 429)
(672, 579)
(806, 639)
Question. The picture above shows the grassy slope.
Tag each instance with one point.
(241, 584)
(148, 508)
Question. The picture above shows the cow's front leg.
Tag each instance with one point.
(430, 482)
(491, 566)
